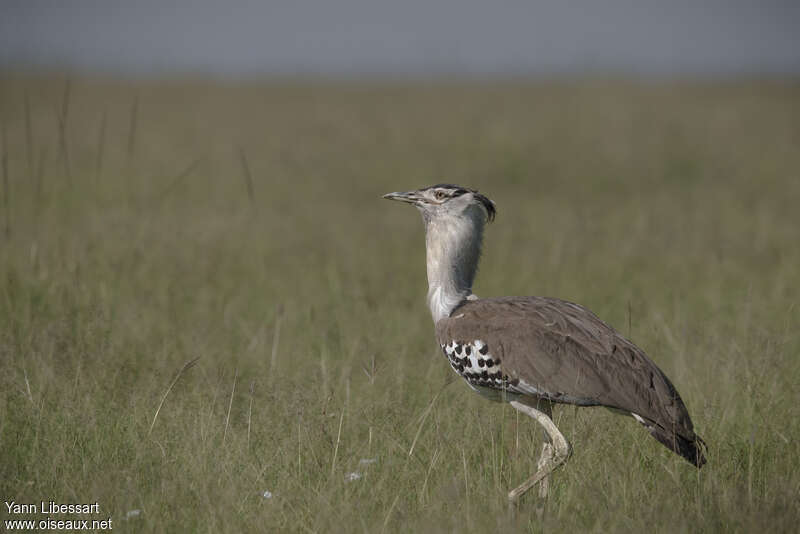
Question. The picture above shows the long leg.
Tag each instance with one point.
(554, 453)
(547, 449)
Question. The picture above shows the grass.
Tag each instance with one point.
(147, 225)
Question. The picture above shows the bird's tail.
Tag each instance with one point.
(692, 449)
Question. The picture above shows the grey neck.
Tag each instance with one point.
(453, 245)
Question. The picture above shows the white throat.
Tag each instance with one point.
(453, 246)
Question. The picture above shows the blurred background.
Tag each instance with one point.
(416, 37)
(184, 180)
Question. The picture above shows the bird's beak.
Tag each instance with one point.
(412, 197)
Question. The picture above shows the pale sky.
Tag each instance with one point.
(347, 37)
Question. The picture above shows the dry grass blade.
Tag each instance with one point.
(101, 146)
(29, 149)
(177, 180)
(338, 439)
(134, 122)
(186, 366)
(248, 176)
(466, 472)
(434, 458)
(371, 371)
(6, 186)
(425, 416)
(250, 411)
(28, 386)
(63, 117)
(276, 337)
(39, 185)
(389, 513)
(230, 405)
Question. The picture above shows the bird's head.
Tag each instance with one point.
(446, 201)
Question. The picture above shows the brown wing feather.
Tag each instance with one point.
(565, 350)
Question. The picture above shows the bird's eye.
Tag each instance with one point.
(439, 195)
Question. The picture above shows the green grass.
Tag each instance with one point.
(130, 246)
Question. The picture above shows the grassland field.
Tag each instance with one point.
(146, 224)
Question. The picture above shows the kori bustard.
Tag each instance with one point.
(535, 351)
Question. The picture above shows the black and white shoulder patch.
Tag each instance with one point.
(475, 363)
